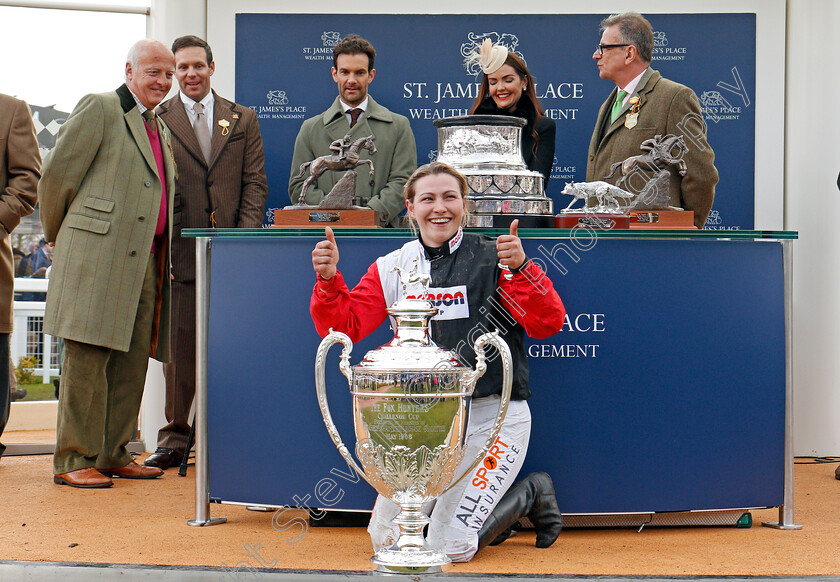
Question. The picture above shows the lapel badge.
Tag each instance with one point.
(224, 124)
(236, 116)
(632, 117)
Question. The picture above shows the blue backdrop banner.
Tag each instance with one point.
(283, 66)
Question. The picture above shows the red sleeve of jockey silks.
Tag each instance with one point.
(530, 298)
(357, 313)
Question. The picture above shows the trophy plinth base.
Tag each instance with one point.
(409, 562)
(504, 220)
(602, 220)
(668, 219)
(314, 217)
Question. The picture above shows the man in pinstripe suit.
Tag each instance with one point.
(106, 201)
(221, 183)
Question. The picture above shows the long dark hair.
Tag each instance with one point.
(521, 69)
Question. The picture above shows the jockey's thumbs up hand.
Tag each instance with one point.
(509, 248)
(325, 256)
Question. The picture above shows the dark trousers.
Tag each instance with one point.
(5, 387)
(101, 390)
(180, 371)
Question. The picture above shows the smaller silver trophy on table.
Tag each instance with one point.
(660, 153)
(411, 401)
(642, 187)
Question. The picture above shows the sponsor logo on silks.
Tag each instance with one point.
(511, 41)
(451, 302)
(456, 240)
(441, 299)
(487, 482)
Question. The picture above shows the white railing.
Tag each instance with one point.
(28, 338)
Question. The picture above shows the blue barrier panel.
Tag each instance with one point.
(665, 391)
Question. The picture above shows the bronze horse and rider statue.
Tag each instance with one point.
(346, 158)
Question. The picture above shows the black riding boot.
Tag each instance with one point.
(533, 497)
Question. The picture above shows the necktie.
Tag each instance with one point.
(355, 112)
(619, 102)
(149, 116)
(202, 132)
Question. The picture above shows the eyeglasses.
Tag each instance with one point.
(600, 47)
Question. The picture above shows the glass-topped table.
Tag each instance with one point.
(662, 234)
(673, 339)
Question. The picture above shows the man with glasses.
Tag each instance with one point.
(643, 105)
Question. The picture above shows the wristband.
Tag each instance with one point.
(524, 264)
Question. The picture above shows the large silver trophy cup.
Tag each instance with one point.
(487, 150)
(411, 401)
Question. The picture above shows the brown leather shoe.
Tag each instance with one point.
(133, 471)
(87, 478)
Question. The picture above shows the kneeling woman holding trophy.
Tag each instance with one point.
(501, 289)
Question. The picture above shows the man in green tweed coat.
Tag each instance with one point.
(650, 105)
(356, 114)
(106, 200)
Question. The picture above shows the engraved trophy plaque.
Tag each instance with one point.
(487, 150)
(411, 401)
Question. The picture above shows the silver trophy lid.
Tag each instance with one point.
(412, 348)
(466, 120)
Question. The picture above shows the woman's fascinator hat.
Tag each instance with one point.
(489, 57)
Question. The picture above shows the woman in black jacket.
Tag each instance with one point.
(507, 88)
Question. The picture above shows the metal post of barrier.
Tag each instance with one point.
(202, 309)
(786, 509)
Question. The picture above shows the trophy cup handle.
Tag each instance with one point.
(332, 338)
(507, 381)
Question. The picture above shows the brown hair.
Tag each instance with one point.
(410, 188)
(191, 40)
(518, 64)
(353, 44)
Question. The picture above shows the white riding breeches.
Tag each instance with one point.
(457, 515)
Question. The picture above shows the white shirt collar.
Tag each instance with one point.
(189, 102)
(363, 105)
(631, 86)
